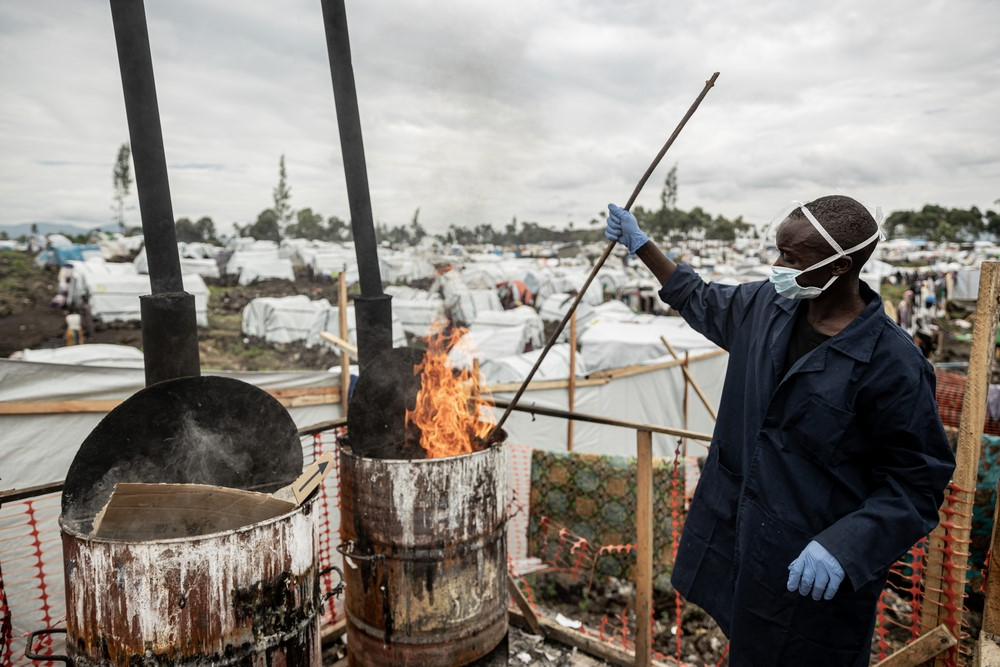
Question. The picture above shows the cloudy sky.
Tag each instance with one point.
(476, 112)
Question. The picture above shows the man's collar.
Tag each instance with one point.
(857, 339)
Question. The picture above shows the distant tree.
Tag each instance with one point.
(202, 231)
(266, 227)
(121, 177)
(4, 236)
(338, 230)
(936, 223)
(417, 232)
(308, 225)
(992, 220)
(282, 195)
(668, 196)
(185, 231)
(206, 229)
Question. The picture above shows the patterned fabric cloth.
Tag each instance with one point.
(594, 497)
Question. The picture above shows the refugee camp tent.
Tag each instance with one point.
(403, 267)
(114, 290)
(88, 354)
(966, 284)
(193, 259)
(282, 319)
(52, 438)
(651, 392)
(259, 261)
(329, 321)
(514, 368)
(64, 253)
(417, 309)
(498, 334)
(297, 318)
(608, 344)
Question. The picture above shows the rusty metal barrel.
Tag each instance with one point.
(425, 558)
(247, 596)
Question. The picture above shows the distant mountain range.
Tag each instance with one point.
(24, 229)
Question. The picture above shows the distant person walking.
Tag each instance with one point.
(904, 311)
(828, 459)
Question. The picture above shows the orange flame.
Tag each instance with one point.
(446, 412)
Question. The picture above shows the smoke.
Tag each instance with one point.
(206, 454)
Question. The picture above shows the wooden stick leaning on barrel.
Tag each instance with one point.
(604, 256)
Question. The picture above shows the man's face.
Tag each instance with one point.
(801, 246)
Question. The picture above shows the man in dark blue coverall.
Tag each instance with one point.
(828, 459)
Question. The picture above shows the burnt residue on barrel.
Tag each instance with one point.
(427, 561)
(249, 596)
(278, 606)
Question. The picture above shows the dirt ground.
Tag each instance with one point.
(27, 321)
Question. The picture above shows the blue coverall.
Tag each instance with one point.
(847, 449)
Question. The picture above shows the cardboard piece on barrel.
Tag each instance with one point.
(142, 512)
(311, 477)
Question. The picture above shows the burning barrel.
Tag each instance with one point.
(423, 518)
(426, 557)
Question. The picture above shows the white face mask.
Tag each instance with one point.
(785, 280)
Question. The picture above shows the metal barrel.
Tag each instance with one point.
(425, 558)
(248, 596)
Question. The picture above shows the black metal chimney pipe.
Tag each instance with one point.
(373, 309)
(169, 323)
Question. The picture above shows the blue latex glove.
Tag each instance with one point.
(815, 571)
(623, 227)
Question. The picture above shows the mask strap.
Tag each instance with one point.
(844, 253)
(782, 213)
(819, 228)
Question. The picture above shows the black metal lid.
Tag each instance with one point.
(193, 430)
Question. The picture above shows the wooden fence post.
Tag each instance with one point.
(940, 589)
(644, 550)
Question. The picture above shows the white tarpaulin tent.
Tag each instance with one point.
(609, 344)
(655, 396)
(297, 318)
(282, 319)
(89, 354)
(498, 334)
(193, 258)
(417, 309)
(259, 261)
(329, 321)
(115, 296)
(966, 284)
(83, 274)
(515, 368)
(39, 447)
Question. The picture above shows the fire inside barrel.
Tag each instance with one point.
(425, 536)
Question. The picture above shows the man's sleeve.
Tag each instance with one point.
(914, 463)
(712, 309)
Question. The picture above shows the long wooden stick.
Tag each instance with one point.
(570, 405)
(604, 256)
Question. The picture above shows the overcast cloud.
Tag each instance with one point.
(476, 112)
